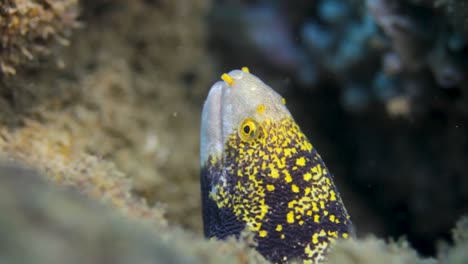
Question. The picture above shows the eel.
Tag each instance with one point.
(260, 172)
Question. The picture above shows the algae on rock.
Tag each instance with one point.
(126, 98)
(42, 223)
(30, 28)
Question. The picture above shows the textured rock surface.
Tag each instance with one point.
(33, 28)
(42, 223)
(130, 97)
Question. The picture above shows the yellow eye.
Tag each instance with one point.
(249, 129)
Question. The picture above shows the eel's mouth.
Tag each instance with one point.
(211, 132)
(214, 123)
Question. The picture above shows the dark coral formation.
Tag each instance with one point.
(31, 28)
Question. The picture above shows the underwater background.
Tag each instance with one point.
(100, 105)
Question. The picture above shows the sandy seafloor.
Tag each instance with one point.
(99, 142)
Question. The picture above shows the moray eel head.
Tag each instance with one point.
(240, 97)
(260, 172)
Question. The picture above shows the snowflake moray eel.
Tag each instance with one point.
(260, 172)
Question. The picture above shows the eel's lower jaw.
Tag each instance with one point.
(211, 133)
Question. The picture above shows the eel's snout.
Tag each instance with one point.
(211, 141)
(217, 104)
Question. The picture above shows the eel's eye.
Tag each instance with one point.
(249, 129)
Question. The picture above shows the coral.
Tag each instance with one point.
(52, 152)
(456, 11)
(373, 250)
(31, 28)
(44, 223)
(124, 109)
(356, 43)
(456, 254)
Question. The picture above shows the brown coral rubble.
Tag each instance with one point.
(29, 28)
